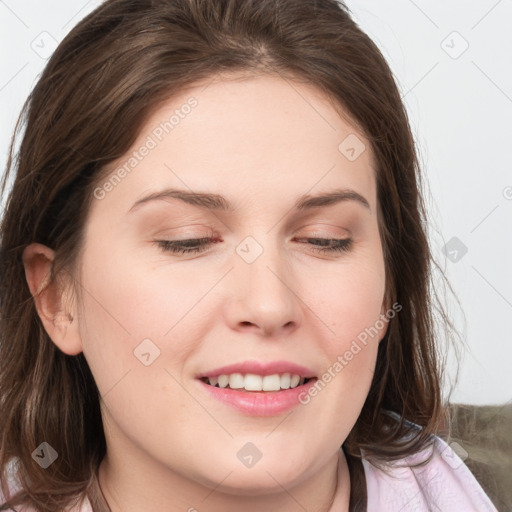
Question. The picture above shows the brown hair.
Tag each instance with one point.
(103, 81)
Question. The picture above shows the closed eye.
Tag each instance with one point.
(199, 245)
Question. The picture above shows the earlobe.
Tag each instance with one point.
(53, 306)
(384, 317)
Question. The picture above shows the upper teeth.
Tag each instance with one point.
(252, 382)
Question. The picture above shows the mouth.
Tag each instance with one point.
(261, 390)
(253, 383)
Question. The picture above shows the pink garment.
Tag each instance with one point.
(444, 484)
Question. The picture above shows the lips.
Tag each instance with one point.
(272, 400)
(258, 403)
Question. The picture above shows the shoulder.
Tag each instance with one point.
(444, 483)
(84, 507)
(14, 486)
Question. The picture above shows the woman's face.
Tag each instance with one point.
(262, 290)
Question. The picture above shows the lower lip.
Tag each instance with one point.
(260, 403)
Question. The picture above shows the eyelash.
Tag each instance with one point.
(180, 246)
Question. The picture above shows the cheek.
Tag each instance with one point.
(349, 300)
(124, 328)
(130, 311)
(350, 303)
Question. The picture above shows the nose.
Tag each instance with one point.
(264, 295)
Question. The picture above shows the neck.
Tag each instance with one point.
(123, 489)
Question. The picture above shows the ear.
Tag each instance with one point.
(385, 314)
(52, 300)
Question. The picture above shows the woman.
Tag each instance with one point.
(215, 275)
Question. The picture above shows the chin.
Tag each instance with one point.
(263, 478)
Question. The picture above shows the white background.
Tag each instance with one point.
(460, 105)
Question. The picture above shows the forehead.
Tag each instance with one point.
(254, 136)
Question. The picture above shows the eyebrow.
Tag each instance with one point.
(218, 202)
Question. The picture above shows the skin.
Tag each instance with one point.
(261, 142)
